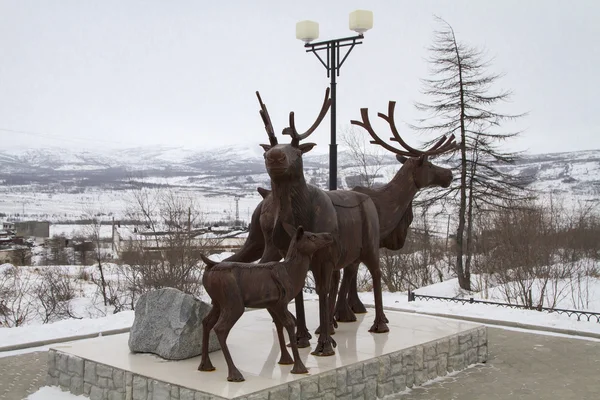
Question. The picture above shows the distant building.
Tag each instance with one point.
(8, 226)
(37, 229)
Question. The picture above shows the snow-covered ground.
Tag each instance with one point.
(93, 317)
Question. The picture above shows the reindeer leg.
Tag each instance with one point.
(354, 302)
(335, 281)
(302, 334)
(285, 355)
(207, 324)
(223, 326)
(288, 320)
(343, 310)
(380, 324)
(326, 343)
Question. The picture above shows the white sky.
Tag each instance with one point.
(116, 73)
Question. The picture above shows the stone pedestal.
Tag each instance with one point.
(366, 365)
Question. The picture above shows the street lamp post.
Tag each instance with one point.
(307, 31)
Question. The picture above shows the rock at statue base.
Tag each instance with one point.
(168, 323)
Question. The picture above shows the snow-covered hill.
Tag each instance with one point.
(57, 184)
(577, 172)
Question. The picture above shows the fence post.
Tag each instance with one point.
(411, 295)
(471, 300)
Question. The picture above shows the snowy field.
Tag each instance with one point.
(63, 206)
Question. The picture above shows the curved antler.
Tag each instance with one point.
(291, 130)
(443, 145)
(366, 124)
(264, 114)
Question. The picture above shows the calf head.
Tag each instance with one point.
(307, 242)
(284, 161)
(425, 174)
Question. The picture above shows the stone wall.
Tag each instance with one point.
(374, 378)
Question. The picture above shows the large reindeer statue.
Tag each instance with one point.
(393, 200)
(351, 217)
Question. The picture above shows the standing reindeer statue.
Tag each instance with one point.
(351, 217)
(232, 286)
(393, 200)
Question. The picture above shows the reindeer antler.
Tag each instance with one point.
(264, 114)
(291, 130)
(441, 146)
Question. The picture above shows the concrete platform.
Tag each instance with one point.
(366, 365)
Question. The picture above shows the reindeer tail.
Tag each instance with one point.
(209, 263)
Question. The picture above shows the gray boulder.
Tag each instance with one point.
(168, 323)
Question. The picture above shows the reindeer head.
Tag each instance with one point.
(284, 161)
(425, 174)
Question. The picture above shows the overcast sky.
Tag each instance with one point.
(113, 73)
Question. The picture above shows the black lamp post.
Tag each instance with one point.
(307, 31)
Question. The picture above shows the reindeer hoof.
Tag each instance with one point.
(325, 349)
(206, 367)
(286, 360)
(299, 369)
(236, 377)
(380, 327)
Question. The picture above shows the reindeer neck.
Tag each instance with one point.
(296, 265)
(395, 197)
(291, 199)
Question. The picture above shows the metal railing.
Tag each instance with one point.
(581, 315)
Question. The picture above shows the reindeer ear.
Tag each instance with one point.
(299, 232)
(306, 147)
(263, 192)
(400, 158)
(266, 147)
(422, 160)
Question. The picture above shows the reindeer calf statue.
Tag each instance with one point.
(233, 286)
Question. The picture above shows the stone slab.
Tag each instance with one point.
(366, 365)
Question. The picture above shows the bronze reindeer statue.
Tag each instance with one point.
(351, 217)
(394, 200)
(232, 286)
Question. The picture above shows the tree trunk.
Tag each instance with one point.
(103, 283)
(464, 278)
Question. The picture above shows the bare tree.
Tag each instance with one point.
(93, 232)
(16, 304)
(367, 160)
(461, 101)
(165, 250)
(53, 295)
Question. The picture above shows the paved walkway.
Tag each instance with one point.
(524, 366)
(521, 366)
(22, 375)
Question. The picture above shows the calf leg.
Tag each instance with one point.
(288, 321)
(207, 324)
(285, 355)
(228, 318)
